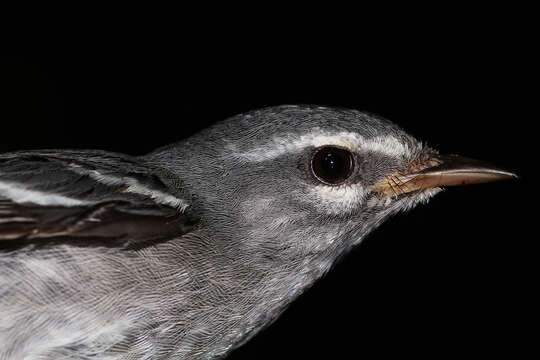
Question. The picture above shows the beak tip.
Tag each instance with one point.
(507, 175)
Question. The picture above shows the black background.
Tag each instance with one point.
(451, 277)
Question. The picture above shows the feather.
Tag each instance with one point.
(77, 196)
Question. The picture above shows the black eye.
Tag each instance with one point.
(332, 165)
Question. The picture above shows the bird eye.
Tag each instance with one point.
(332, 165)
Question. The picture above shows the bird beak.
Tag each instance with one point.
(441, 170)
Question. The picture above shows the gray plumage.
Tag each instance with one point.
(187, 252)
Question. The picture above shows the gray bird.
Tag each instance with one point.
(189, 251)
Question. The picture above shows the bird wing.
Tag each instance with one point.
(87, 195)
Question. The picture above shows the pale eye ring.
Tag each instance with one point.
(332, 165)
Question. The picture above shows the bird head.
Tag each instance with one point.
(303, 184)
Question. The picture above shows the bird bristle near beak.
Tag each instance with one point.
(438, 171)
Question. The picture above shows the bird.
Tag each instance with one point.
(189, 251)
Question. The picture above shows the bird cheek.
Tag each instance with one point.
(337, 200)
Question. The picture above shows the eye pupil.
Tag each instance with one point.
(332, 165)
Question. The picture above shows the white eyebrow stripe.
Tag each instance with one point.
(133, 186)
(21, 195)
(278, 146)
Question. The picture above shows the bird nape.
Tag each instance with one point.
(189, 251)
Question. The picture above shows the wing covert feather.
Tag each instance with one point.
(78, 195)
